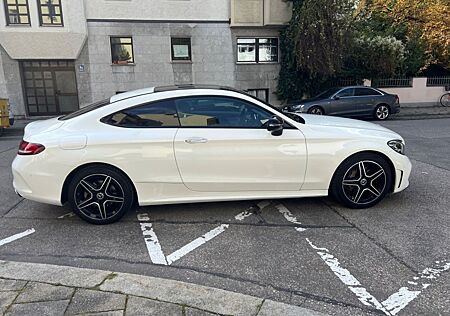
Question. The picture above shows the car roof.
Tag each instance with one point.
(360, 86)
(135, 93)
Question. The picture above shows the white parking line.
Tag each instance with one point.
(71, 214)
(16, 236)
(154, 247)
(196, 243)
(289, 216)
(394, 303)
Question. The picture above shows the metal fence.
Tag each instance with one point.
(345, 82)
(392, 82)
(438, 81)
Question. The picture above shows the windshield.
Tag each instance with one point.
(84, 110)
(328, 93)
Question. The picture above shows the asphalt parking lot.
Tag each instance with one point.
(391, 259)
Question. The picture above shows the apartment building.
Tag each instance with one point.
(59, 55)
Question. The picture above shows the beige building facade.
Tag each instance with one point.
(59, 55)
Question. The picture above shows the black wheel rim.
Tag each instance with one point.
(99, 196)
(364, 182)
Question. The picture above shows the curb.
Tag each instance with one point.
(199, 297)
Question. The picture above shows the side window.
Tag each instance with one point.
(365, 91)
(345, 93)
(156, 114)
(220, 112)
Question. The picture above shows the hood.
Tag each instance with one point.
(334, 121)
(304, 101)
(43, 126)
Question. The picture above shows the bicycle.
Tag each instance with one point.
(445, 98)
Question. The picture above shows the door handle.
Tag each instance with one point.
(196, 140)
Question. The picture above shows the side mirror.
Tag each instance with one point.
(336, 97)
(275, 126)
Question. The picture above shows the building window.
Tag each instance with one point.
(122, 50)
(262, 94)
(181, 49)
(17, 12)
(50, 12)
(257, 50)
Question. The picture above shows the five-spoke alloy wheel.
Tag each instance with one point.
(361, 181)
(382, 112)
(100, 195)
(316, 110)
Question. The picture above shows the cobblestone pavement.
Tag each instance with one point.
(41, 289)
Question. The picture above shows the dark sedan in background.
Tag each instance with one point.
(357, 101)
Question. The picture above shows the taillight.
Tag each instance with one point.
(26, 148)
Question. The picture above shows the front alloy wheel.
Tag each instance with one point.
(361, 181)
(100, 195)
(316, 110)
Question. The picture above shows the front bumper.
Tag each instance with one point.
(402, 173)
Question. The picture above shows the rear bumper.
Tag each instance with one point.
(32, 183)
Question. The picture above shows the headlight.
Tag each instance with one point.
(397, 145)
(298, 107)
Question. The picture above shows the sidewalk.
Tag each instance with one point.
(412, 113)
(42, 289)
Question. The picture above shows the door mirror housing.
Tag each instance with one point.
(336, 97)
(275, 126)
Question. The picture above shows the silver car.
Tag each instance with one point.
(356, 101)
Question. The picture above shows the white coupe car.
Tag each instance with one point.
(184, 144)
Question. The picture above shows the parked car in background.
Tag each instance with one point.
(356, 101)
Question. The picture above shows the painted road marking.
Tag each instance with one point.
(394, 303)
(154, 248)
(71, 214)
(16, 236)
(289, 216)
(196, 243)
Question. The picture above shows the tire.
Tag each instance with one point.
(100, 195)
(445, 100)
(382, 112)
(317, 110)
(361, 181)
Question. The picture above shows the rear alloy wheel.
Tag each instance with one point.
(316, 110)
(362, 181)
(382, 112)
(100, 195)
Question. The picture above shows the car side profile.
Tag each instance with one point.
(355, 101)
(185, 144)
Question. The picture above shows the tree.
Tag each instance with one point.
(313, 45)
(427, 20)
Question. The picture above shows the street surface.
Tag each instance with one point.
(391, 259)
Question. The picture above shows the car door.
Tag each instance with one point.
(366, 98)
(140, 141)
(223, 145)
(342, 103)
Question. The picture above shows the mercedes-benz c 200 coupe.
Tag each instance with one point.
(200, 143)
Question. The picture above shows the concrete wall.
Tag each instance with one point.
(194, 10)
(418, 95)
(45, 42)
(10, 83)
(212, 57)
(260, 12)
